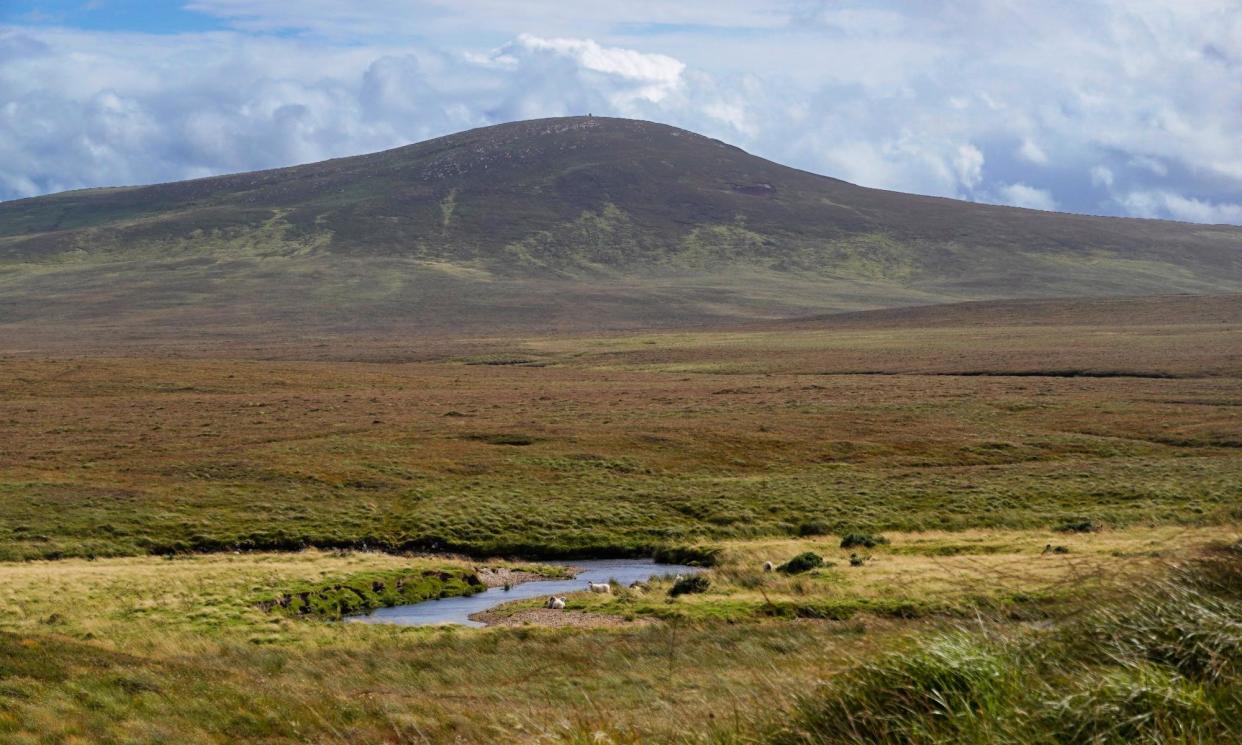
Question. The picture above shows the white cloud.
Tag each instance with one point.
(1031, 152)
(1148, 163)
(661, 72)
(910, 96)
(1021, 195)
(621, 77)
(969, 165)
(1164, 204)
(1102, 176)
(80, 109)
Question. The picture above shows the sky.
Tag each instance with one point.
(1116, 107)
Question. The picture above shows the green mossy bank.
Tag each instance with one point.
(363, 592)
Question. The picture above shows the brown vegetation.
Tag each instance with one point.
(623, 443)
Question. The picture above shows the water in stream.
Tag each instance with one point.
(459, 610)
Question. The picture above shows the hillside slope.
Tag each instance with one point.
(581, 222)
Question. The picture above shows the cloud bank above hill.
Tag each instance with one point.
(1129, 108)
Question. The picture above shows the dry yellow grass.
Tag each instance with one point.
(914, 575)
(951, 566)
(175, 651)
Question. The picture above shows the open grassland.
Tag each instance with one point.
(151, 650)
(1032, 474)
(146, 650)
(1018, 574)
(623, 444)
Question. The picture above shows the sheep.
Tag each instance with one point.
(768, 566)
(601, 587)
(555, 603)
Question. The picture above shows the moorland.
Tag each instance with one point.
(153, 506)
(991, 453)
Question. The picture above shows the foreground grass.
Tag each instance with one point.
(152, 650)
(1160, 664)
(145, 650)
(1016, 574)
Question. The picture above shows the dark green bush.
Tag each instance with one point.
(695, 583)
(695, 556)
(866, 540)
(813, 528)
(803, 562)
(1080, 525)
(370, 590)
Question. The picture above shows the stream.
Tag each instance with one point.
(458, 610)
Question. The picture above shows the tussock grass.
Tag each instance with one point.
(1160, 664)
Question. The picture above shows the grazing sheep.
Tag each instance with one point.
(768, 566)
(601, 587)
(555, 603)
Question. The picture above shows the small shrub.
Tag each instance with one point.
(695, 583)
(803, 562)
(695, 556)
(866, 540)
(856, 560)
(813, 528)
(1082, 525)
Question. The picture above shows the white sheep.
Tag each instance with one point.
(601, 587)
(768, 566)
(555, 603)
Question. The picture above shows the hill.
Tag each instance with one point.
(578, 223)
